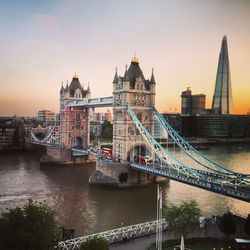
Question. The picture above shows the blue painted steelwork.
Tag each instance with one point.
(77, 152)
(163, 154)
(209, 179)
(240, 193)
(82, 152)
(195, 154)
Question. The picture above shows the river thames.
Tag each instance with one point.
(89, 209)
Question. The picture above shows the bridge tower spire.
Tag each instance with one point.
(116, 76)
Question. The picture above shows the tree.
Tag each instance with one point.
(95, 243)
(30, 227)
(92, 136)
(227, 224)
(106, 124)
(247, 225)
(183, 217)
(107, 130)
(107, 133)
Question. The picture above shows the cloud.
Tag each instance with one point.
(45, 21)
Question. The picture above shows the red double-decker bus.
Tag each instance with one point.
(107, 151)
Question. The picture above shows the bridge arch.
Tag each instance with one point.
(138, 150)
(77, 142)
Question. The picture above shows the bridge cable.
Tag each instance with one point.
(188, 149)
(171, 160)
(48, 137)
(159, 150)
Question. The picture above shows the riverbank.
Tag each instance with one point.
(217, 141)
(36, 148)
(197, 141)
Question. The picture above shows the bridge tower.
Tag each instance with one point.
(139, 93)
(74, 122)
(128, 144)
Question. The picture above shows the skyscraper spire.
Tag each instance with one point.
(222, 99)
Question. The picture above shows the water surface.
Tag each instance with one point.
(89, 209)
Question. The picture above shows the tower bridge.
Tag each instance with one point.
(137, 155)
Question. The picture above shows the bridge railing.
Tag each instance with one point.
(101, 99)
(118, 234)
(94, 102)
(222, 188)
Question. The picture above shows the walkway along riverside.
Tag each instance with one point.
(117, 235)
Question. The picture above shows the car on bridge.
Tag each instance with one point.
(145, 159)
(148, 159)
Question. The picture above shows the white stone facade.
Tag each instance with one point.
(140, 95)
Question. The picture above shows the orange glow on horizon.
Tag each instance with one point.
(41, 48)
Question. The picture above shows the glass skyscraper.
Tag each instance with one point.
(222, 99)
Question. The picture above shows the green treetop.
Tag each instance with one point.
(30, 227)
(183, 217)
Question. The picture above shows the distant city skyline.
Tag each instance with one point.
(45, 42)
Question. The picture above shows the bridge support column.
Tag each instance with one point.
(119, 174)
(64, 156)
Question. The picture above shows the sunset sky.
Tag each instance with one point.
(44, 42)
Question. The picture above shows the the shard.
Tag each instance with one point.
(222, 99)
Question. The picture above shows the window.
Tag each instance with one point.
(78, 116)
(139, 116)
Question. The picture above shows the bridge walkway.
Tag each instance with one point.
(118, 234)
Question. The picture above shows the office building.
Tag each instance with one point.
(192, 104)
(222, 99)
(46, 116)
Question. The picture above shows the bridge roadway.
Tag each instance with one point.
(224, 187)
(237, 192)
